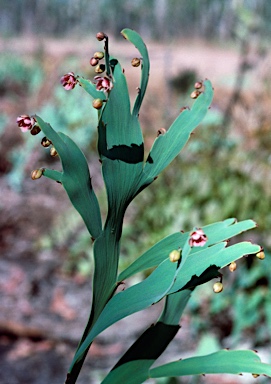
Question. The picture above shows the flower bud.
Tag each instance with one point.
(195, 94)
(197, 238)
(100, 68)
(36, 174)
(255, 375)
(53, 152)
(198, 85)
(135, 62)
(174, 256)
(260, 255)
(35, 130)
(232, 266)
(100, 36)
(218, 287)
(98, 55)
(45, 142)
(93, 61)
(97, 103)
(161, 131)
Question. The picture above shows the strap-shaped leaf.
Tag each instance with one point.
(136, 39)
(90, 88)
(166, 147)
(234, 362)
(215, 232)
(132, 300)
(75, 178)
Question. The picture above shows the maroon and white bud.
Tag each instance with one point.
(100, 36)
(36, 174)
(198, 85)
(197, 238)
(68, 81)
(195, 94)
(53, 152)
(135, 62)
(97, 103)
(93, 62)
(26, 122)
(35, 130)
(45, 142)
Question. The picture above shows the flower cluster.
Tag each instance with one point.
(197, 238)
(26, 122)
(68, 81)
(103, 83)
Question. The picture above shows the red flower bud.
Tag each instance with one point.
(197, 238)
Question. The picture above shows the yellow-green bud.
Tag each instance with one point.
(174, 256)
(36, 174)
(45, 142)
(232, 266)
(218, 287)
(100, 36)
(135, 62)
(97, 103)
(98, 55)
(260, 255)
(100, 68)
(53, 152)
(195, 94)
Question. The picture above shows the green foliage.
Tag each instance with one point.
(126, 174)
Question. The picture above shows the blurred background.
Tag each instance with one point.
(224, 171)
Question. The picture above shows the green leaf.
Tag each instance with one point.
(234, 362)
(133, 299)
(90, 88)
(134, 372)
(215, 232)
(166, 147)
(75, 178)
(136, 39)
